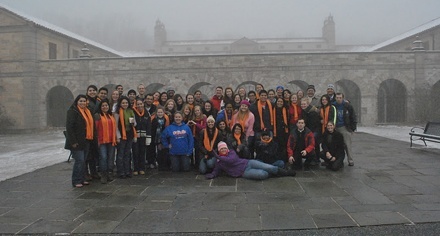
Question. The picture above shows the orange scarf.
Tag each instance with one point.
(266, 142)
(242, 119)
(87, 115)
(191, 106)
(260, 111)
(165, 116)
(209, 144)
(122, 122)
(324, 114)
(139, 113)
(227, 121)
(237, 137)
(156, 102)
(286, 129)
(194, 127)
(295, 112)
(107, 125)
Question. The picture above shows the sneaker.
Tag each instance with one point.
(152, 166)
(142, 172)
(78, 185)
(135, 173)
(283, 172)
(350, 163)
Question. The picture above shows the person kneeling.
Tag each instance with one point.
(333, 152)
(229, 162)
(267, 150)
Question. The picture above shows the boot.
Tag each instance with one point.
(103, 177)
(110, 176)
(283, 172)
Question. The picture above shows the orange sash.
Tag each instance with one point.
(237, 137)
(260, 111)
(87, 115)
(209, 144)
(122, 122)
(286, 129)
(107, 125)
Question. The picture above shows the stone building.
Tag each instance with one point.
(35, 91)
(162, 46)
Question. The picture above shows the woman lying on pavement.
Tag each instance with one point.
(229, 162)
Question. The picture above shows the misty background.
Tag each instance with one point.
(129, 25)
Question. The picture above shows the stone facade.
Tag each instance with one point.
(25, 89)
(163, 46)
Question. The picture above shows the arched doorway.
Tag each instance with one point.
(434, 99)
(247, 85)
(391, 102)
(204, 87)
(58, 101)
(352, 93)
(151, 88)
(298, 85)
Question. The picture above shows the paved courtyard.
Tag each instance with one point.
(390, 184)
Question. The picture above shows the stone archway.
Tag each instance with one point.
(352, 93)
(204, 87)
(298, 85)
(151, 88)
(248, 85)
(433, 99)
(111, 88)
(58, 101)
(391, 102)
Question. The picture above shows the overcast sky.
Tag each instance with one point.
(117, 23)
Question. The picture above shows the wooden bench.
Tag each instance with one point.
(431, 133)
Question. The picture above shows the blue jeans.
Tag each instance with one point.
(206, 164)
(123, 161)
(106, 157)
(180, 163)
(259, 170)
(79, 166)
(279, 164)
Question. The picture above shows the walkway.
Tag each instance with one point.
(390, 184)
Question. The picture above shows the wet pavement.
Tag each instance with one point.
(392, 189)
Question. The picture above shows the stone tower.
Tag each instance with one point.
(328, 32)
(160, 36)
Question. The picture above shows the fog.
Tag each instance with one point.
(129, 25)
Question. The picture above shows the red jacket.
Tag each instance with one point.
(309, 142)
(216, 102)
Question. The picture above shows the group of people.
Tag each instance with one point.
(255, 134)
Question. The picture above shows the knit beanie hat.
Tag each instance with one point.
(245, 102)
(221, 145)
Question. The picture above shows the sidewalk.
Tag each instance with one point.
(390, 184)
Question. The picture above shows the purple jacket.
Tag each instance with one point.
(231, 164)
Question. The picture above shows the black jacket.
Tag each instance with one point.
(333, 143)
(75, 129)
(311, 118)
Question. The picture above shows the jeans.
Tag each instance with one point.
(79, 166)
(279, 164)
(139, 149)
(123, 163)
(206, 163)
(259, 170)
(180, 163)
(106, 157)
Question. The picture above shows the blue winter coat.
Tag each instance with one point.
(180, 137)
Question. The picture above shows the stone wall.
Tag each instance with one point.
(24, 90)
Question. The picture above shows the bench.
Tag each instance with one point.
(431, 133)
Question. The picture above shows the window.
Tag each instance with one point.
(52, 51)
(75, 53)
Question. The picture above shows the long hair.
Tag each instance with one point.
(103, 101)
(122, 98)
(75, 102)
